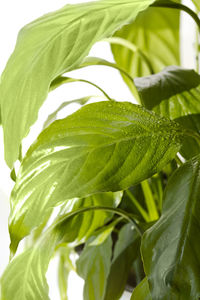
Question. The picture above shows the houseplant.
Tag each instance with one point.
(124, 176)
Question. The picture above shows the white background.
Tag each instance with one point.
(14, 15)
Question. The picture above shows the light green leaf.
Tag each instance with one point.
(141, 292)
(155, 34)
(104, 146)
(197, 4)
(171, 249)
(174, 93)
(93, 266)
(24, 277)
(48, 46)
(125, 252)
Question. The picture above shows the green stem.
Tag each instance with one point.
(179, 162)
(171, 4)
(116, 211)
(133, 48)
(62, 79)
(138, 206)
(153, 212)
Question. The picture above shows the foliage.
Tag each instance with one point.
(115, 182)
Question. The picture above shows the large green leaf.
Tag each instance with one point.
(47, 47)
(125, 252)
(174, 93)
(171, 248)
(104, 146)
(93, 265)
(155, 33)
(141, 292)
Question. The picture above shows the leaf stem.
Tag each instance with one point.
(171, 4)
(153, 212)
(116, 211)
(133, 48)
(62, 79)
(138, 206)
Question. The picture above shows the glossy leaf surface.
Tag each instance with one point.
(171, 249)
(142, 292)
(63, 38)
(125, 252)
(93, 266)
(155, 26)
(104, 146)
(174, 93)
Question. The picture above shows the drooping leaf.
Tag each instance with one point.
(171, 249)
(53, 116)
(125, 252)
(47, 47)
(104, 146)
(155, 33)
(24, 278)
(93, 266)
(174, 93)
(141, 292)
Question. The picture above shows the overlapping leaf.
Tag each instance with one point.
(174, 93)
(105, 146)
(125, 252)
(141, 292)
(171, 249)
(93, 265)
(47, 47)
(155, 33)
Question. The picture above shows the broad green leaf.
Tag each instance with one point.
(141, 292)
(171, 249)
(93, 266)
(104, 146)
(48, 46)
(155, 33)
(174, 93)
(125, 252)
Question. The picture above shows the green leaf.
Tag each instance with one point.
(125, 252)
(93, 266)
(24, 277)
(104, 146)
(174, 93)
(141, 292)
(197, 4)
(48, 46)
(155, 26)
(171, 249)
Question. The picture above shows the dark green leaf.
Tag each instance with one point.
(93, 265)
(141, 292)
(104, 146)
(174, 93)
(155, 33)
(48, 46)
(125, 252)
(171, 249)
